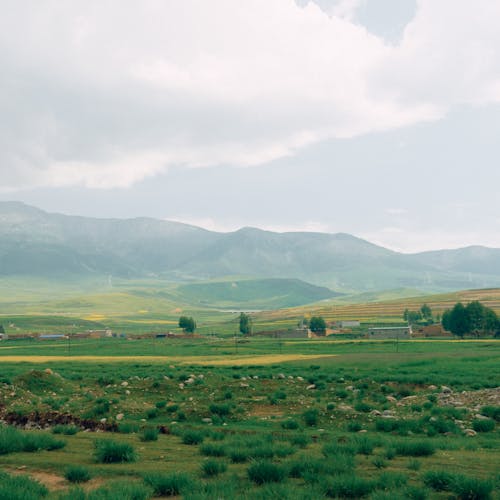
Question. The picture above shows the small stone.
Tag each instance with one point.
(103, 420)
(470, 432)
(432, 387)
(391, 399)
(244, 386)
(120, 416)
(48, 371)
(446, 390)
(127, 392)
(375, 413)
(309, 387)
(124, 383)
(300, 379)
(181, 386)
(281, 375)
(206, 420)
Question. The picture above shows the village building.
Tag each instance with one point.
(390, 332)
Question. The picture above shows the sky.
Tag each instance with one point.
(378, 118)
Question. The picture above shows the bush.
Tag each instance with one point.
(362, 407)
(192, 437)
(348, 486)
(300, 440)
(20, 488)
(149, 434)
(483, 425)
(220, 410)
(77, 474)
(310, 417)
(438, 480)
(238, 455)
(364, 445)
(172, 408)
(108, 452)
(266, 472)
(391, 480)
(127, 427)
(415, 448)
(290, 424)
(211, 468)
(379, 463)
(492, 412)
(168, 485)
(12, 440)
(354, 426)
(471, 488)
(67, 430)
(212, 450)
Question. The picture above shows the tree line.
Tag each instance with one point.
(473, 318)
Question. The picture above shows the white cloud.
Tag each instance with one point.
(104, 94)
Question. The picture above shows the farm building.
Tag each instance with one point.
(3, 336)
(435, 330)
(52, 336)
(390, 332)
(350, 323)
(98, 334)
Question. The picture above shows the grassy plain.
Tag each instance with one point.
(257, 419)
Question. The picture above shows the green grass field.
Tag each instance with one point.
(256, 419)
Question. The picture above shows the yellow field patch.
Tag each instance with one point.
(95, 317)
(192, 360)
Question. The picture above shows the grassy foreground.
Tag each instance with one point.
(206, 418)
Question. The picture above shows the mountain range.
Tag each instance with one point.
(36, 243)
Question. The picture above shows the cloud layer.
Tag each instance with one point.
(104, 94)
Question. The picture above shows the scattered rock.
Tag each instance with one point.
(446, 390)
(375, 413)
(244, 386)
(206, 420)
(470, 432)
(48, 371)
(345, 408)
(281, 375)
(309, 387)
(391, 399)
(300, 379)
(124, 383)
(120, 416)
(432, 387)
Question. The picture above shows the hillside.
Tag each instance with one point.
(34, 243)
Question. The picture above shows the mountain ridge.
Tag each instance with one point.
(39, 243)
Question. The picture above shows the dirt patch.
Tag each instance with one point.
(266, 411)
(49, 479)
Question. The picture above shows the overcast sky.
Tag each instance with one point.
(379, 118)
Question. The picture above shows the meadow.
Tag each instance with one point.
(255, 418)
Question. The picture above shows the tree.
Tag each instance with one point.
(317, 324)
(426, 312)
(476, 312)
(412, 316)
(2, 329)
(459, 321)
(245, 324)
(187, 323)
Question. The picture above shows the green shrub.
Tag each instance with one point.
(211, 468)
(108, 451)
(354, 426)
(362, 407)
(169, 485)
(20, 487)
(238, 455)
(149, 434)
(67, 430)
(310, 417)
(415, 448)
(379, 463)
(266, 472)
(391, 480)
(77, 474)
(386, 424)
(220, 410)
(471, 488)
(439, 480)
(160, 404)
(192, 437)
(152, 413)
(483, 425)
(364, 445)
(290, 424)
(491, 412)
(300, 440)
(414, 464)
(348, 486)
(212, 450)
(12, 440)
(127, 427)
(172, 408)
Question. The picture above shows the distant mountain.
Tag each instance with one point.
(37, 243)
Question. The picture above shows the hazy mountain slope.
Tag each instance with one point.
(36, 243)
